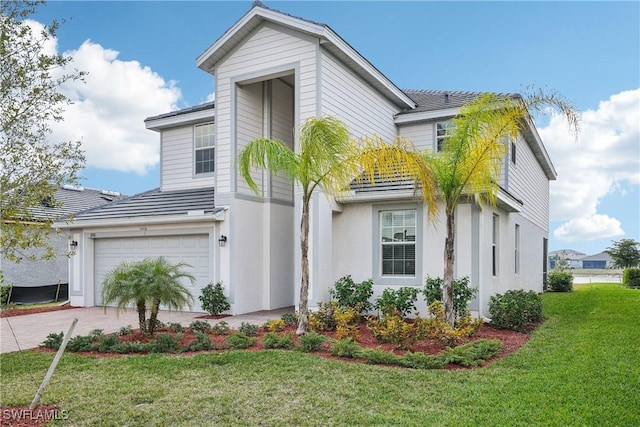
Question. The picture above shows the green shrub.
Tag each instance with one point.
(221, 328)
(325, 318)
(80, 343)
(378, 356)
(348, 293)
(346, 347)
(131, 347)
(311, 341)
(213, 299)
(175, 327)
(53, 340)
(560, 281)
(96, 334)
(202, 342)
(420, 360)
(515, 310)
(5, 291)
(472, 353)
(125, 330)
(631, 277)
(401, 301)
(200, 326)
(462, 294)
(107, 342)
(290, 319)
(249, 329)
(240, 341)
(273, 340)
(165, 343)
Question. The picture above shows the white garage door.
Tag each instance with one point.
(191, 249)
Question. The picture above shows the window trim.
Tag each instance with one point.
(197, 174)
(447, 125)
(495, 248)
(386, 280)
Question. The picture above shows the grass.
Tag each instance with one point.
(581, 367)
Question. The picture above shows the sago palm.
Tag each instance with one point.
(472, 155)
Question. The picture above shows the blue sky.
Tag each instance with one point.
(141, 60)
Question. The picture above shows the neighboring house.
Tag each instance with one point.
(272, 71)
(569, 257)
(41, 280)
(597, 261)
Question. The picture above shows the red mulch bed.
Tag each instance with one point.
(511, 341)
(22, 311)
(213, 316)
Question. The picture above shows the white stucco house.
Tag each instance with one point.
(271, 71)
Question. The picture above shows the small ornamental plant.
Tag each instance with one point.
(213, 300)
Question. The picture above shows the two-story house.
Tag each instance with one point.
(272, 71)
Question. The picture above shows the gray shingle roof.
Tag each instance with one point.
(195, 108)
(70, 200)
(154, 203)
(433, 100)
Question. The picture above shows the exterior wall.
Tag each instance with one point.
(177, 171)
(421, 134)
(28, 273)
(353, 101)
(281, 127)
(260, 248)
(528, 182)
(249, 118)
(267, 51)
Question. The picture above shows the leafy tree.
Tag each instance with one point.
(328, 160)
(625, 253)
(470, 162)
(32, 164)
(147, 284)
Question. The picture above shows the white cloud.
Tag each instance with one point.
(590, 228)
(605, 160)
(109, 109)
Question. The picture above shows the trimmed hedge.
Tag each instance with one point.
(631, 277)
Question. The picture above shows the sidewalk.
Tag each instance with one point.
(30, 330)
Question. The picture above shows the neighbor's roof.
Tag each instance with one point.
(69, 200)
(154, 203)
(602, 256)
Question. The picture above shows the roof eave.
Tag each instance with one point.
(426, 115)
(142, 220)
(179, 120)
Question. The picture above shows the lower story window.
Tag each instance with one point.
(398, 242)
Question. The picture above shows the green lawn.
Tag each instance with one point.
(581, 368)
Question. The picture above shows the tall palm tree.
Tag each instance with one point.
(329, 159)
(471, 159)
(147, 283)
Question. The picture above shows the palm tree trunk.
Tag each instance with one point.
(141, 306)
(303, 308)
(153, 316)
(449, 257)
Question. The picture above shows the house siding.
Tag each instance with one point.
(177, 161)
(364, 110)
(528, 182)
(269, 48)
(249, 111)
(282, 129)
(421, 134)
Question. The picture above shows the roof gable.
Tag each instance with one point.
(328, 39)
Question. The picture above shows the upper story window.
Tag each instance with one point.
(398, 242)
(443, 130)
(204, 148)
(513, 152)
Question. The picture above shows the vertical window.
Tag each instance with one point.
(513, 152)
(204, 148)
(443, 130)
(517, 249)
(494, 244)
(398, 242)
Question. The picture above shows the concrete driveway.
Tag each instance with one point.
(29, 331)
